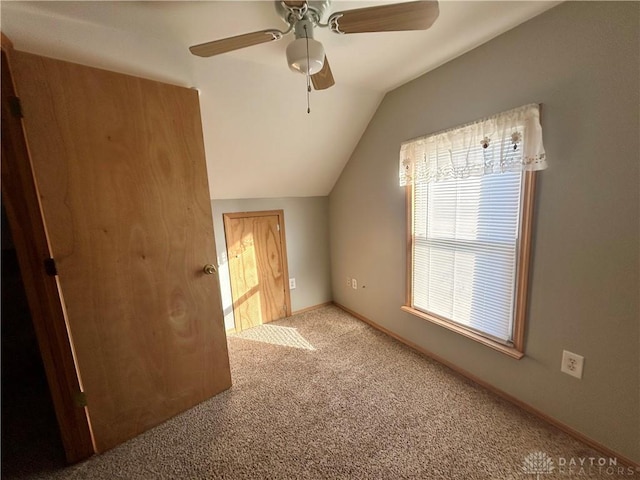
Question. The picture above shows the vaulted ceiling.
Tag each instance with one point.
(259, 139)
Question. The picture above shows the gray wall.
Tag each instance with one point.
(580, 60)
(306, 222)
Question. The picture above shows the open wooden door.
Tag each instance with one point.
(258, 270)
(120, 169)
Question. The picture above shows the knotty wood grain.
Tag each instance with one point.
(257, 267)
(121, 169)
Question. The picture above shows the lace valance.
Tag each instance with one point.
(506, 142)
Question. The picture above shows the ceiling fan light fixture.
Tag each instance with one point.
(299, 61)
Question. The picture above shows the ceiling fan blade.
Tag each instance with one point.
(234, 43)
(386, 18)
(324, 78)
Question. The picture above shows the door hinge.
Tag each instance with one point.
(80, 399)
(16, 106)
(50, 267)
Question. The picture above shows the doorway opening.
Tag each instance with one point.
(31, 440)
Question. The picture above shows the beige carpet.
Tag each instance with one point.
(323, 396)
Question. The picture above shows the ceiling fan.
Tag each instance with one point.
(306, 55)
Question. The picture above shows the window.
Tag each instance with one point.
(470, 226)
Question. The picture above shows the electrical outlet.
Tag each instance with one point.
(292, 283)
(572, 364)
(354, 284)
(348, 281)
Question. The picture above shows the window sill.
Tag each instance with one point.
(510, 351)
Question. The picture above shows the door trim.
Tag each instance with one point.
(283, 249)
(22, 202)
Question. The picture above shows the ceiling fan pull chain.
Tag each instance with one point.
(308, 67)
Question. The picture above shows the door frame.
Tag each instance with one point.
(283, 253)
(22, 203)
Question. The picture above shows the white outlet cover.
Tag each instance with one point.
(354, 284)
(292, 283)
(572, 364)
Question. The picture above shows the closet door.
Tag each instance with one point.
(120, 168)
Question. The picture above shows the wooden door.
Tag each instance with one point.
(120, 168)
(256, 250)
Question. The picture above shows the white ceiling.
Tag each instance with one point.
(259, 140)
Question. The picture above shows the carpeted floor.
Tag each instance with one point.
(323, 396)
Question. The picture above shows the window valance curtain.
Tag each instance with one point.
(506, 142)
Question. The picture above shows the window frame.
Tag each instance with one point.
(527, 200)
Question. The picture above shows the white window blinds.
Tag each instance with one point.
(468, 185)
(465, 251)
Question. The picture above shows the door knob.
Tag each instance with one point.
(209, 269)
